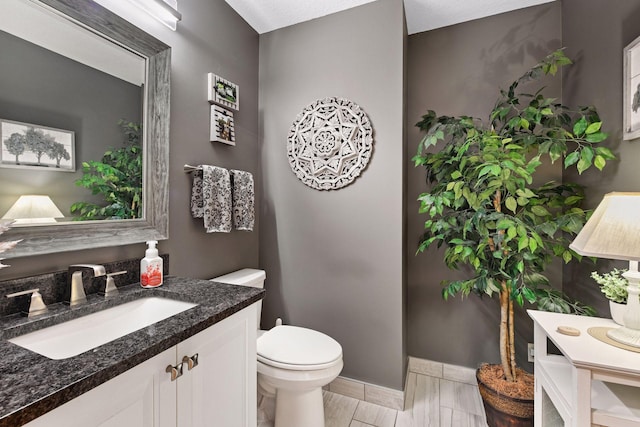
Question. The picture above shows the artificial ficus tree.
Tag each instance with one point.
(483, 205)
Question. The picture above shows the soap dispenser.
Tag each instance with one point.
(151, 267)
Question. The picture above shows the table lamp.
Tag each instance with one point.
(613, 232)
(30, 209)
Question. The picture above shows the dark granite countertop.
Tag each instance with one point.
(31, 384)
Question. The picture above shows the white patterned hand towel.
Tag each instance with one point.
(211, 198)
(197, 202)
(243, 195)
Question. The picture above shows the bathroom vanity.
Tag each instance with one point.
(195, 368)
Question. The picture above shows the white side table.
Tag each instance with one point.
(591, 383)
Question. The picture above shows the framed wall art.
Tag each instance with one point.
(30, 146)
(222, 126)
(223, 92)
(631, 84)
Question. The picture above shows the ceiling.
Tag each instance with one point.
(422, 15)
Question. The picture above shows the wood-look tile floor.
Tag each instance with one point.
(429, 402)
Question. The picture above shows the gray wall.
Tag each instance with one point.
(334, 258)
(44, 88)
(457, 70)
(210, 38)
(596, 78)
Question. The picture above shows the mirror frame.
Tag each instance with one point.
(62, 237)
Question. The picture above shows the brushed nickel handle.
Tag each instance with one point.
(175, 371)
(191, 362)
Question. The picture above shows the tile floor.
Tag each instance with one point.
(440, 397)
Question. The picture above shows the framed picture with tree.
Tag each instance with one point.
(631, 83)
(29, 146)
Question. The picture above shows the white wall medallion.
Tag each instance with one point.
(330, 143)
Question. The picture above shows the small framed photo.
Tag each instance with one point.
(222, 126)
(631, 83)
(223, 92)
(29, 146)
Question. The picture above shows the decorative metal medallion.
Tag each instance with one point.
(330, 143)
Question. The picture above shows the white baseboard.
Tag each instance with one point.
(371, 393)
(394, 399)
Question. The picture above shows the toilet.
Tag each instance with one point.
(294, 363)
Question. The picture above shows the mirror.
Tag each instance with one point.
(119, 72)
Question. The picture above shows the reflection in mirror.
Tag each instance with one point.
(84, 121)
(67, 97)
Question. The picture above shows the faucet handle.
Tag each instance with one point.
(37, 305)
(110, 288)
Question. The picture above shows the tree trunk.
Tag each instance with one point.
(512, 341)
(505, 346)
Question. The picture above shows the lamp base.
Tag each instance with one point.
(626, 336)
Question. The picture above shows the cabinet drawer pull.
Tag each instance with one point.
(175, 371)
(191, 362)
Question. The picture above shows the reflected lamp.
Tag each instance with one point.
(30, 209)
(613, 232)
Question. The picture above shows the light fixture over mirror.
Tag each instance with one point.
(153, 89)
(164, 11)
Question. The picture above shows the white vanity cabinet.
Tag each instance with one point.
(219, 391)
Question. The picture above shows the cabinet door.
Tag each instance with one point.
(221, 390)
(143, 396)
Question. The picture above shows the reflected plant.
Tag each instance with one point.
(117, 177)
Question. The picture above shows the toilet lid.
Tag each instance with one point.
(293, 345)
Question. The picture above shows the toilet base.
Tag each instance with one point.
(299, 408)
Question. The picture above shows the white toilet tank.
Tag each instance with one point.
(246, 277)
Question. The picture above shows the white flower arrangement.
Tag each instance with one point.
(612, 285)
(5, 246)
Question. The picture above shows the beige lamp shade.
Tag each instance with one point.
(613, 231)
(33, 209)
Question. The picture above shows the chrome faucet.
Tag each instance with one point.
(78, 295)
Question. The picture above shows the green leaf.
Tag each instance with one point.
(586, 159)
(540, 210)
(529, 295)
(511, 204)
(580, 127)
(599, 162)
(566, 256)
(504, 224)
(597, 137)
(593, 128)
(523, 242)
(571, 159)
(485, 170)
(605, 152)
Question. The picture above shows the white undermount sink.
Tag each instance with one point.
(76, 336)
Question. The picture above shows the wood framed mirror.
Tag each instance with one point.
(44, 238)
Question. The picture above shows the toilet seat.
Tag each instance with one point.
(296, 348)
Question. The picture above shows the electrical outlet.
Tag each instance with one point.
(530, 352)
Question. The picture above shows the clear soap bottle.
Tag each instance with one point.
(151, 267)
